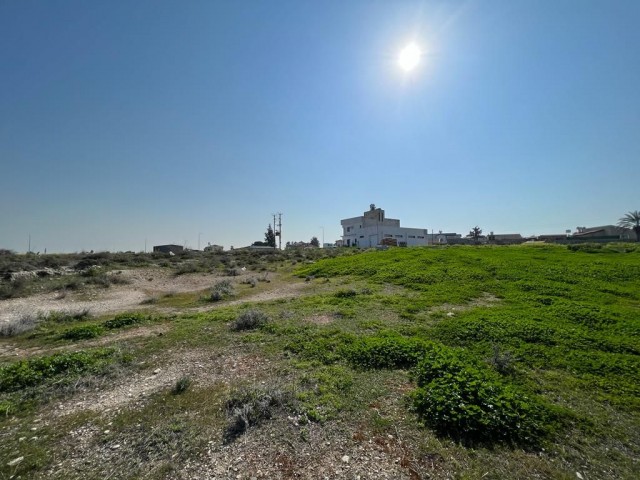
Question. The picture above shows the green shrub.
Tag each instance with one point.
(26, 373)
(83, 332)
(387, 352)
(182, 385)
(124, 320)
(461, 399)
(345, 293)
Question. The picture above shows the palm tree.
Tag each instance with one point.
(631, 221)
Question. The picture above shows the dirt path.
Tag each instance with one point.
(143, 284)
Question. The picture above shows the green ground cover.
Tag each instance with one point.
(494, 362)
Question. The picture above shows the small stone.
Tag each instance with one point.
(115, 447)
(579, 475)
(106, 432)
(15, 461)
(22, 439)
(33, 429)
(346, 459)
(156, 371)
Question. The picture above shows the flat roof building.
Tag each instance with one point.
(373, 228)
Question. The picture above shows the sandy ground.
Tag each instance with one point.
(144, 283)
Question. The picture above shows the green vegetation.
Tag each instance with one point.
(83, 332)
(35, 371)
(519, 361)
(124, 320)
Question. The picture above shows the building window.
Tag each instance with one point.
(420, 236)
(387, 235)
(361, 236)
(348, 229)
(398, 236)
(412, 236)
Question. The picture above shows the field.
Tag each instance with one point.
(460, 362)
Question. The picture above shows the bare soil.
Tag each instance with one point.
(144, 283)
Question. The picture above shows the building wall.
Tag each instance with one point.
(168, 248)
(371, 228)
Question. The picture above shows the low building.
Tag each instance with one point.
(373, 228)
(441, 238)
(168, 248)
(604, 233)
(505, 238)
(214, 248)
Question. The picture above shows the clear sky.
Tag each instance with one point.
(174, 121)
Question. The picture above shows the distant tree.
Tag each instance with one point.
(270, 237)
(631, 221)
(475, 233)
(314, 242)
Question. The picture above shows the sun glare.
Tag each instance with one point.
(409, 57)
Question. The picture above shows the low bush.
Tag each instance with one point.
(345, 293)
(182, 385)
(221, 290)
(14, 288)
(187, 267)
(19, 325)
(387, 352)
(124, 320)
(464, 400)
(68, 316)
(34, 371)
(249, 320)
(83, 332)
(249, 407)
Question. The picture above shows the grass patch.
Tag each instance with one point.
(35, 371)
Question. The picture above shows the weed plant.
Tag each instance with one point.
(83, 332)
(249, 320)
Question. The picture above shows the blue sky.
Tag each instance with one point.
(174, 121)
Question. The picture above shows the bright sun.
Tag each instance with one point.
(409, 57)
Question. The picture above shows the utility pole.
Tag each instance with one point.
(277, 228)
(199, 233)
(29, 243)
(322, 236)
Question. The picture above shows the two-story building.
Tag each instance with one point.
(373, 228)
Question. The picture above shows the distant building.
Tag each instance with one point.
(604, 233)
(168, 248)
(373, 228)
(446, 238)
(214, 248)
(505, 238)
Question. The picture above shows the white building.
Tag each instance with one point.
(372, 229)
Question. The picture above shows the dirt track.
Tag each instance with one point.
(143, 284)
